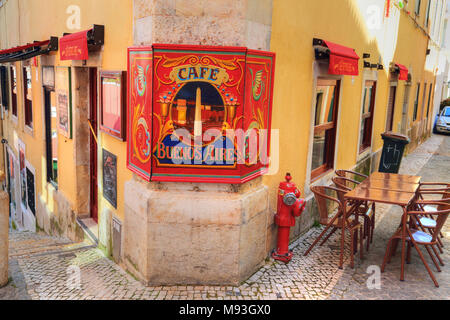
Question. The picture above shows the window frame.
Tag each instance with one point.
(365, 141)
(330, 129)
(390, 122)
(48, 134)
(427, 14)
(27, 103)
(417, 4)
(119, 76)
(430, 91)
(416, 102)
(13, 83)
(4, 93)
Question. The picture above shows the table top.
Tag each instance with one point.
(380, 195)
(395, 176)
(388, 184)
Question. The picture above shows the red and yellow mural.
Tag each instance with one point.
(207, 118)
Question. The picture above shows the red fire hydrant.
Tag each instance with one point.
(289, 206)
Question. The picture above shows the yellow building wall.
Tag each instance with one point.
(294, 25)
(34, 24)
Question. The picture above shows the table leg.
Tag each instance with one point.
(402, 272)
(341, 258)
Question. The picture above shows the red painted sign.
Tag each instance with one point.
(343, 60)
(139, 116)
(74, 46)
(210, 113)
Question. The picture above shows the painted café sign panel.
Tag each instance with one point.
(199, 113)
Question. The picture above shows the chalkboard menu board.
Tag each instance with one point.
(31, 191)
(110, 177)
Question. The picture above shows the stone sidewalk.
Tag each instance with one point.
(44, 267)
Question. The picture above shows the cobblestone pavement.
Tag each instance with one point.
(44, 267)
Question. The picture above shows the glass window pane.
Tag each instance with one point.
(324, 104)
(318, 156)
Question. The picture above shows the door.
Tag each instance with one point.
(390, 108)
(93, 195)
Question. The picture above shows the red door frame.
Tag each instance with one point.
(93, 198)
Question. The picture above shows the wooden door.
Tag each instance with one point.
(93, 143)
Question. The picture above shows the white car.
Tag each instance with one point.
(443, 121)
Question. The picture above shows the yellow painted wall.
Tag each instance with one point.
(39, 20)
(294, 25)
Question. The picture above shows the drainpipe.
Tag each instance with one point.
(4, 226)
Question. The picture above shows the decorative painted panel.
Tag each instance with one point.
(209, 103)
(139, 116)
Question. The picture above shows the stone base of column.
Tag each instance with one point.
(191, 233)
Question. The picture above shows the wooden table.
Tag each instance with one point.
(387, 188)
(394, 176)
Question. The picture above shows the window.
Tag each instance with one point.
(13, 76)
(390, 108)
(429, 99)
(112, 103)
(327, 100)
(51, 135)
(365, 137)
(416, 102)
(417, 9)
(27, 96)
(4, 87)
(427, 16)
(424, 96)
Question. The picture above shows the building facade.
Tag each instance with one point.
(68, 168)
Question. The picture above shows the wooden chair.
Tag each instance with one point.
(336, 222)
(367, 210)
(351, 175)
(417, 237)
(437, 189)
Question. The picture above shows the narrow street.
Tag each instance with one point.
(44, 267)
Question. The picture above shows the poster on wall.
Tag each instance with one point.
(64, 101)
(110, 177)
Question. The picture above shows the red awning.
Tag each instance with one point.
(403, 72)
(74, 46)
(24, 47)
(343, 60)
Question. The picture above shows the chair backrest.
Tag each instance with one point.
(443, 210)
(351, 175)
(344, 184)
(321, 196)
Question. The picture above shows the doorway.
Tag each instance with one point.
(92, 121)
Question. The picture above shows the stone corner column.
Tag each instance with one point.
(4, 226)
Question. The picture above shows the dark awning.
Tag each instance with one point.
(342, 60)
(75, 46)
(29, 51)
(403, 71)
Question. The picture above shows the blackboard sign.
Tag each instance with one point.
(31, 191)
(391, 156)
(110, 177)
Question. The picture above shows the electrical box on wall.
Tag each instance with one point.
(199, 113)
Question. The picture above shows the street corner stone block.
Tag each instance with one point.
(199, 235)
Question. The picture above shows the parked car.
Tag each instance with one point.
(442, 123)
